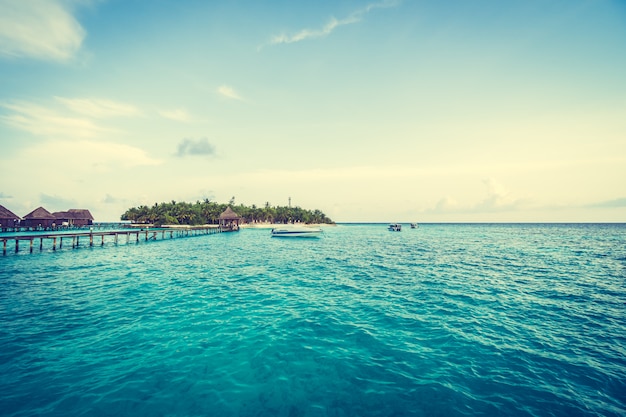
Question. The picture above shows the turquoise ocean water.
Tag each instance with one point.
(443, 320)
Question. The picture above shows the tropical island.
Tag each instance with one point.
(208, 212)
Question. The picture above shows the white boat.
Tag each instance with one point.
(413, 225)
(395, 227)
(296, 231)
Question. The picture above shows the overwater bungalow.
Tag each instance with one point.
(73, 217)
(8, 219)
(39, 218)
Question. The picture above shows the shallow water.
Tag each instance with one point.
(443, 320)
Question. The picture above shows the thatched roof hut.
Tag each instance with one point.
(229, 220)
(8, 218)
(40, 217)
(74, 217)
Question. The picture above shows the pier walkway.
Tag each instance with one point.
(56, 240)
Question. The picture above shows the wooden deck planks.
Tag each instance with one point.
(144, 234)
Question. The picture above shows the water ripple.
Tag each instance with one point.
(454, 320)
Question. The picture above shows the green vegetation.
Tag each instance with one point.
(208, 212)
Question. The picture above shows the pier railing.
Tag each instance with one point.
(90, 238)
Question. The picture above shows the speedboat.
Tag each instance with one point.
(413, 225)
(395, 227)
(296, 231)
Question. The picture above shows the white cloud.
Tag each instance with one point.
(54, 202)
(332, 24)
(88, 156)
(179, 115)
(40, 29)
(615, 203)
(109, 199)
(308, 33)
(499, 199)
(447, 204)
(228, 92)
(83, 170)
(433, 200)
(59, 122)
(98, 108)
(42, 121)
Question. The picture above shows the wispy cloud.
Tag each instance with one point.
(40, 29)
(179, 115)
(44, 121)
(331, 25)
(618, 202)
(89, 156)
(75, 119)
(228, 92)
(190, 147)
(109, 199)
(98, 108)
(55, 202)
(498, 199)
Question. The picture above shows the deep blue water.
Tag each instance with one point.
(444, 320)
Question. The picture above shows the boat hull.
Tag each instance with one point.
(296, 232)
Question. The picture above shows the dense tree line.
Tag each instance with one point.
(208, 212)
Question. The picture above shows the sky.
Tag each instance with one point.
(371, 111)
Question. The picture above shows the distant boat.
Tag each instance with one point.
(296, 231)
(413, 225)
(395, 227)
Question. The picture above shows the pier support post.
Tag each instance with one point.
(150, 234)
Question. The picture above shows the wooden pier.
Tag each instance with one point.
(98, 237)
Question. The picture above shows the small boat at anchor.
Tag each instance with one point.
(395, 227)
(296, 231)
